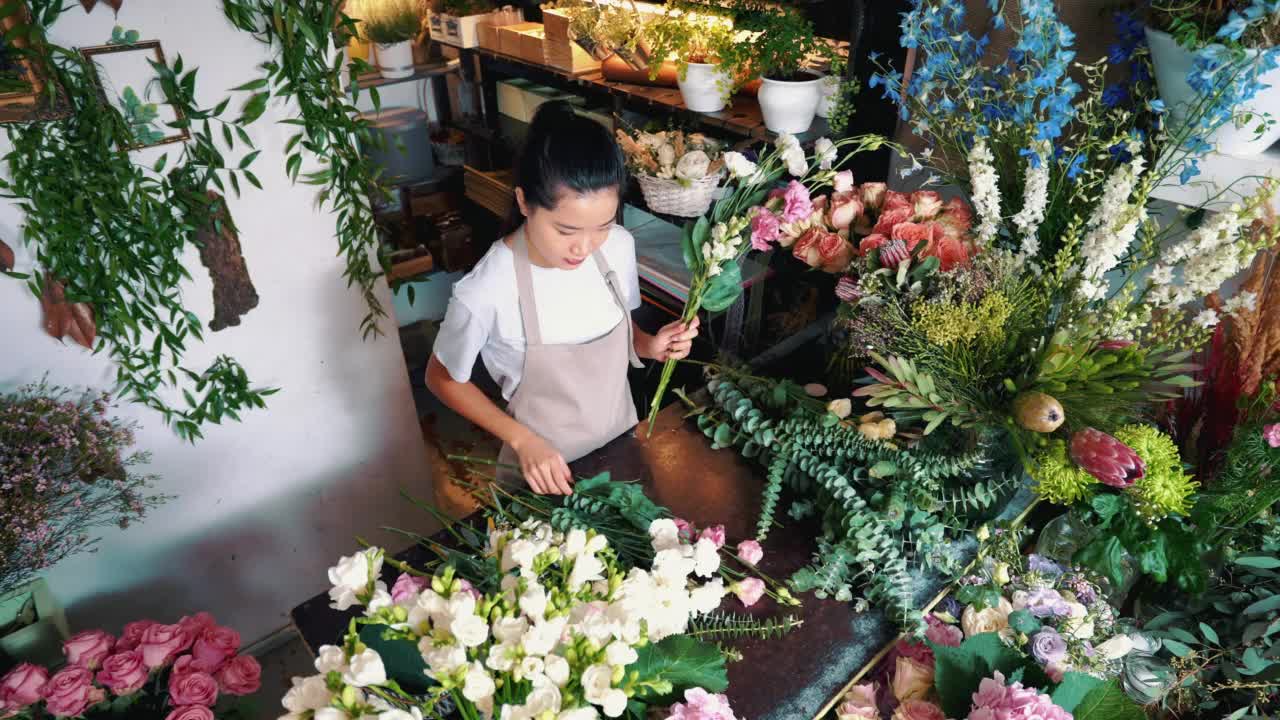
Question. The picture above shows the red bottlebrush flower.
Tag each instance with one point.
(847, 289)
(894, 253)
(1106, 458)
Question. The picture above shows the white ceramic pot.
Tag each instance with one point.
(789, 106)
(704, 88)
(1172, 63)
(829, 92)
(395, 61)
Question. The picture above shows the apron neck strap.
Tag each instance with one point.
(524, 289)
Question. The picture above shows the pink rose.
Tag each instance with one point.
(193, 688)
(242, 675)
(70, 692)
(871, 242)
(215, 646)
(951, 252)
(889, 218)
(765, 229)
(894, 200)
(685, 530)
(715, 534)
(132, 635)
(845, 209)
(796, 204)
(859, 704)
(198, 623)
(1271, 433)
(836, 253)
(940, 633)
(873, 194)
(748, 590)
(190, 712)
(912, 679)
(88, 648)
(750, 552)
(408, 588)
(927, 203)
(914, 233)
(958, 211)
(918, 710)
(843, 181)
(806, 248)
(183, 665)
(22, 686)
(124, 672)
(160, 644)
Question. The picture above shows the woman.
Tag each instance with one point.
(548, 309)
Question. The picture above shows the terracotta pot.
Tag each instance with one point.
(615, 69)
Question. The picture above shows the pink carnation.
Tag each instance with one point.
(714, 533)
(750, 552)
(996, 701)
(796, 204)
(407, 588)
(1271, 433)
(765, 229)
(749, 590)
(701, 705)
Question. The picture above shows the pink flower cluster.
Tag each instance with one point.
(996, 701)
(748, 590)
(919, 217)
(701, 705)
(199, 656)
(1271, 433)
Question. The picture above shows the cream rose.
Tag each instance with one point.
(912, 680)
(693, 166)
(987, 620)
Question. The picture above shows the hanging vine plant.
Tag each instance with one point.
(308, 70)
(112, 232)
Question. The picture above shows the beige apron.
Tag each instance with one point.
(576, 397)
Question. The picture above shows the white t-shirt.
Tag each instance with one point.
(574, 306)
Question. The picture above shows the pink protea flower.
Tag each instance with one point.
(847, 289)
(1106, 458)
(750, 552)
(894, 254)
(1271, 433)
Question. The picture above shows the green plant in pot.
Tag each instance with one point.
(780, 55)
(66, 470)
(695, 42)
(391, 26)
(623, 30)
(584, 19)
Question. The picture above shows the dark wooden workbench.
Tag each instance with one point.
(788, 678)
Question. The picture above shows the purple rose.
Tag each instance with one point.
(1046, 602)
(1043, 565)
(1047, 646)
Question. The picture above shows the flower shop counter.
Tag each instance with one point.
(799, 674)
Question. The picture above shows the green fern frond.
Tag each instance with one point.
(732, 626)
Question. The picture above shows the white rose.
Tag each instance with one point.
(825, 152)
(992, 619)
(1116, 648)
(470, 630)
(664, 534)
(666, 155)
(306, 694)
(707, 597)
(330, 659)
(477, 685)
(706, 557)
(557, 669)
(693, 166)
(510, 630)
(739, 166)
(620, 653)
(366, 669)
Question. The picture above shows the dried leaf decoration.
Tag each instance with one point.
(6, 256)
(63, 319)
(88, 5)
(233, 291)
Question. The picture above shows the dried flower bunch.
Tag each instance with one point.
(672, 154)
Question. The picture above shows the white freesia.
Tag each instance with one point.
(706, 557)
(582, 713)
(330, 713)
(739, 166)
(380, 600)
(365, 669)
(310, 693)
(824, 152)
(586, 568)
(664, 534)
(331, 658)
(620, 654)
(477, 685)
(398, 714)
(543, 637)
(597, 688)
(509, 629)
(352, 576)
(441, 660)
(469, 630)
(556, 669)
(986, 190)
(706, 598)
(533, 602)
(503, 656)
(519, 554)
(693, 166)
(1245, 300)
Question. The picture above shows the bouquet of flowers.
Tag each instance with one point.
(66, 470)
(678, 172)
(549, 625)
(152, 671)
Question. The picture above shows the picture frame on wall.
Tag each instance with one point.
(127, 81)
(26, 93)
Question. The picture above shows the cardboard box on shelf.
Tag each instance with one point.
(509, 37)
(461, 31)
(559, 49)
(511, 98)
(531, 44)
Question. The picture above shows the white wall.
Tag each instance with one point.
(264, 506)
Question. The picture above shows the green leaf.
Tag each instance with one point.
(1209, 634)
(1106, 556)
(959, 670)
(1106, 505)
(723, 436)
(1108, 702)
(723, 289)
(401, 658)
(1073, 690)
(667, 668)
(1024, 622)
(692, 255)
(1177, 648)
(1261, 562)
(1265, 605)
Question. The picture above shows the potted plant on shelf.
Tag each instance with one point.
(695, 42)
(1222, 52)
(623, 31)
(780, 55)
(461, 20)
(65, 471)
(391, 26)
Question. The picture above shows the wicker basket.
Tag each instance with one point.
(669, 197)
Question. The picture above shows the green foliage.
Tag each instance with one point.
(1107, 387)
(394, 21)
(1105, 701)
(911, 395)
(698, 37)
(141, 118)
(1245, 486)
(678, 661)
(785, 45)
(120, 36)
(331, 130)
(115, 233)
(959, 670)
(733, 626)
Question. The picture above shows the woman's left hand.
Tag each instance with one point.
(673, 341)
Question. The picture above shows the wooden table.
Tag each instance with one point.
(798, 675)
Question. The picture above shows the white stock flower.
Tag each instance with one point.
(986, 190)
(824, 152)
(1035, 197)
(620, 654)
(309, 693)
(331, 658)
(477, 685)
(693, 166)
(706, 557)
(706, 598)
(557, 669)
(365, 669)
(739, 166)
(664, 534)
(1113, 226)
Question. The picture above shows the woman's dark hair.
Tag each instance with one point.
(565, 150)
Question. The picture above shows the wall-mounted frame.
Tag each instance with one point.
(26, 95)
(127, 81)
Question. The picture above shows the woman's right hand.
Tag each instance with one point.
(543, 466)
